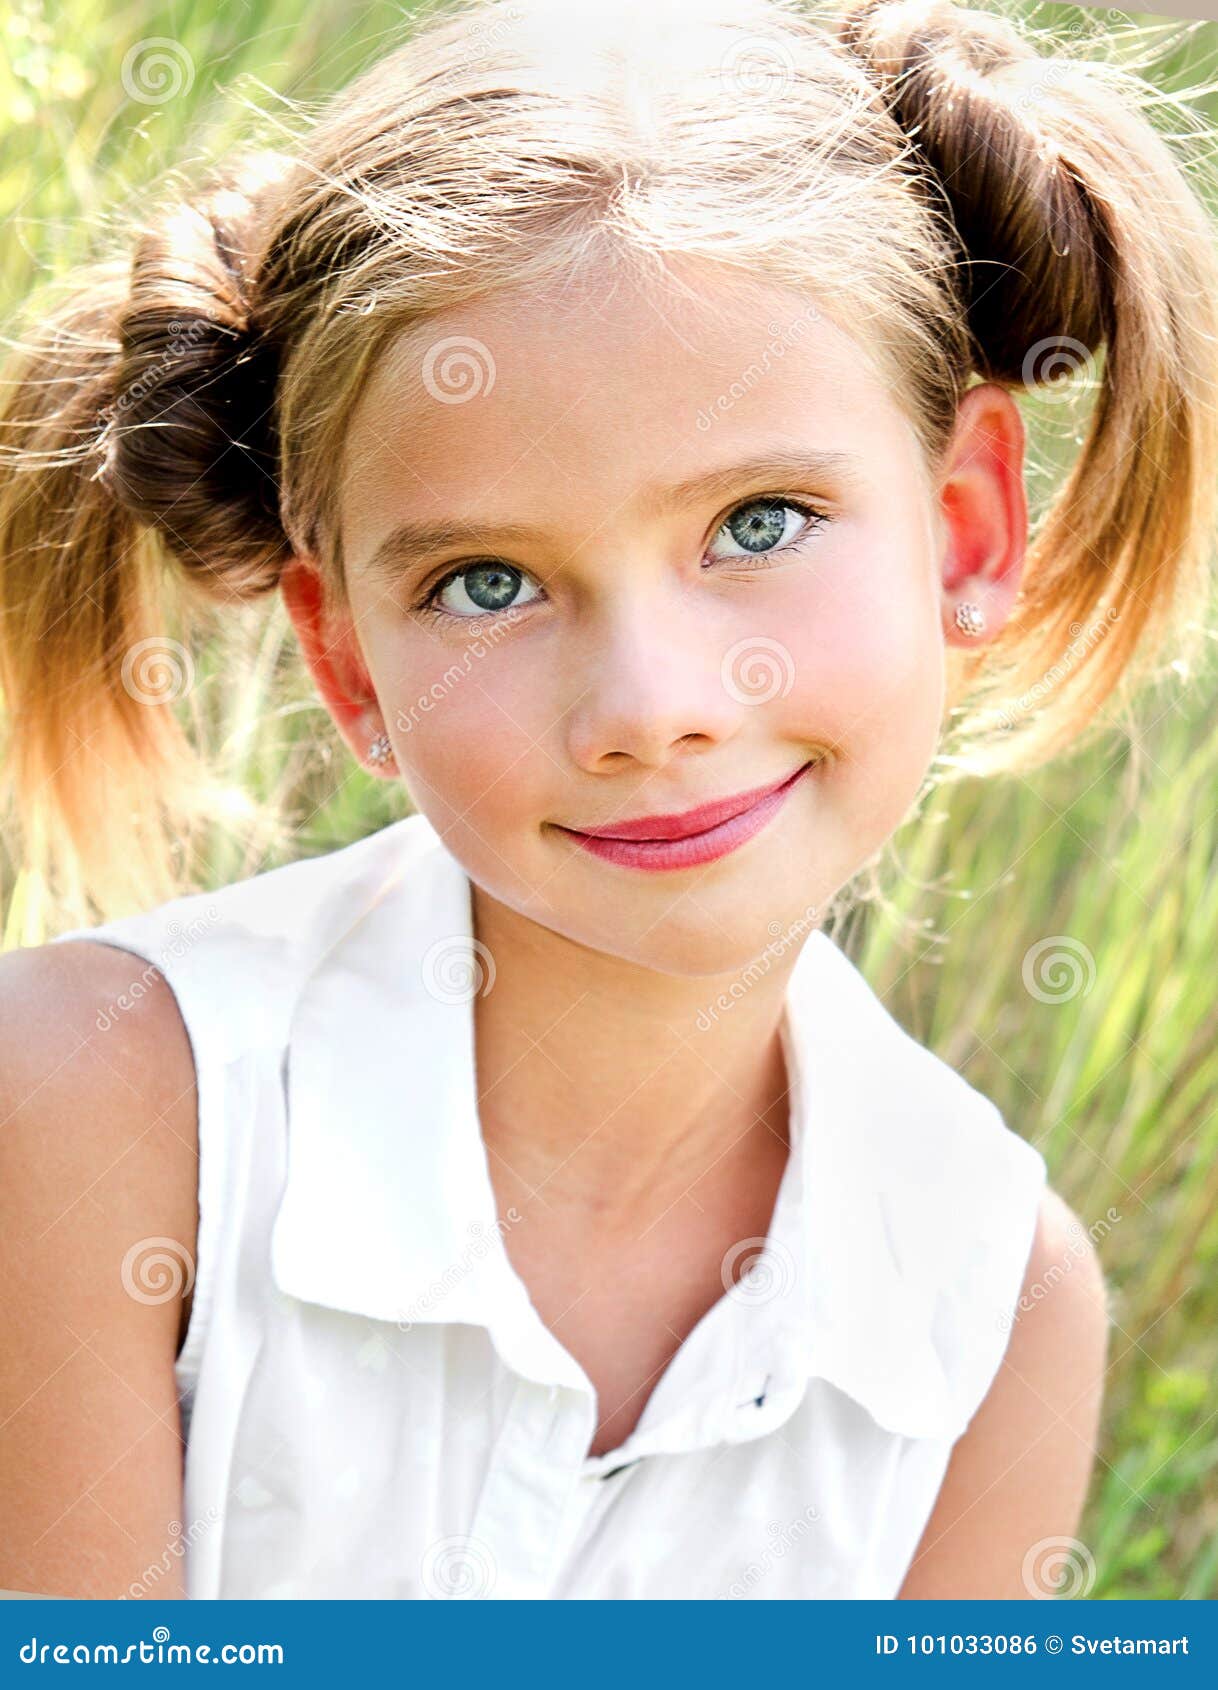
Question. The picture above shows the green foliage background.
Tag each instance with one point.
(1112, 855)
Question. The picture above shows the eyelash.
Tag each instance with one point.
(426, 606)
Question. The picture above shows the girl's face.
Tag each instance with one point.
(697, 551)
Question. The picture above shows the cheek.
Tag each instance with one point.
(873, 664)
(466, 721)
(868, 657)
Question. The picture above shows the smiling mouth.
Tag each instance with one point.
(690, 824)
(690, 848)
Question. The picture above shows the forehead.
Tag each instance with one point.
(594, 388)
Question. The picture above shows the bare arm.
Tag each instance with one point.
(1005, 1521)
(98, 1153)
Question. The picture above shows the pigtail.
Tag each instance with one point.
(1082, 248)
(135, 430)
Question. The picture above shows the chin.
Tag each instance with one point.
(685, 943)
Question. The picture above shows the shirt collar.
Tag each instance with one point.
(388, 1209)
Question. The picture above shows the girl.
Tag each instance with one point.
(623, 403)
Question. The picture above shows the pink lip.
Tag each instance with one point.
(680, 824)
(693, 836)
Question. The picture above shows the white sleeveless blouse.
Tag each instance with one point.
(373, 1406)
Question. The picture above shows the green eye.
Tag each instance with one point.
(761, 526)
(477, 589)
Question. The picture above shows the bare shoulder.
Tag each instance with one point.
(98, 1222)
(1017, 1481)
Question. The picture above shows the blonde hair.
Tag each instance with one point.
(966, 206)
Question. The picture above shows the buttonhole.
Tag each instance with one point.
(622, 1468)
(757, 1401)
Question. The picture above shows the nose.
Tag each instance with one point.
(651, 679)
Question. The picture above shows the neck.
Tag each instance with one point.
(602, 1089)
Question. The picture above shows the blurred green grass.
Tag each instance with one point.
(1111, 856)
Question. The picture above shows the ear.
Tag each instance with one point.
(332, 651)
(983, 511)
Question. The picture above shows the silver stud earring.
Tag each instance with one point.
(970, 618)
(380, 750)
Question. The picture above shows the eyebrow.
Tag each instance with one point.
(417, 540)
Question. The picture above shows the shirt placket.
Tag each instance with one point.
(533, 1489)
